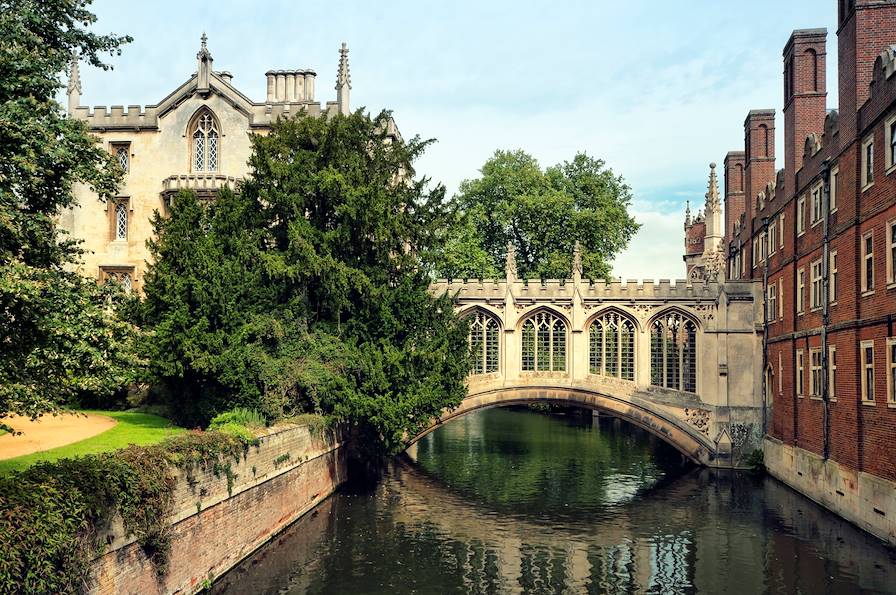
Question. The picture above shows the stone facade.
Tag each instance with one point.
(198, 138)
(680, 360)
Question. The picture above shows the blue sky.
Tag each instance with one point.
(657, 89)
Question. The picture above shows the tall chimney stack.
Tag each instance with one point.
(759, 169)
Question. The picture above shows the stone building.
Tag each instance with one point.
(704, 254)
(819, 238)
(197, 138)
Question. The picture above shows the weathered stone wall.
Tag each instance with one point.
(216, 525)
(863, 499)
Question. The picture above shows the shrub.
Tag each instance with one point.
(242, 416)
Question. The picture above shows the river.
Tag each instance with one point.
(516, 501)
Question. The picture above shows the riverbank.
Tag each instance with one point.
(222, 514)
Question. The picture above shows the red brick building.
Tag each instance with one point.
(820, 235)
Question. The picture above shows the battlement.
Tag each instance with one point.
(135, 117)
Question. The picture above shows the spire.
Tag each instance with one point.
(74, 86)
(510, 263)
(343, 81)
(687, 215)
(204, 57)
(713, 203)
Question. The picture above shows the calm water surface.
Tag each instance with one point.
(512, 501)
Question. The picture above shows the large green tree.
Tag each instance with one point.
(59, 335)
(303, 291)
(542, 213)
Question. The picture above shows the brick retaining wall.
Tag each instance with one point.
(285, 476)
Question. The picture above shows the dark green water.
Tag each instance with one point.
(510, 501)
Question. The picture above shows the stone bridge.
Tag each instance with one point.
(654, 354)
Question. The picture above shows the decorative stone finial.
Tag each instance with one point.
(510, 263)
(343, 81)
(687, 215)
(74, 85)
(713, 202)
(204, 57)
(577, 261)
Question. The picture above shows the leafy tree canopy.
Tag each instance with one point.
(542, 213)
(303, 291)
(58, 335)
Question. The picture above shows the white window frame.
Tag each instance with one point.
(890, 231)
(891, 372)
(864, 159)
(781, 231)
(781, 298)
(801, 215)
(815, 377)
(772, 237)
(890, 148)
(832, 278)
(771, 302)
(817, 211)
(863, 367)
(800, 374)
(816, 285)
(832, 372)
(800, 290)
(832, 198)
(867, 284)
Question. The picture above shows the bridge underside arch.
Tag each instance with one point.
(696, 448)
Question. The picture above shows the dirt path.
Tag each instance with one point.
(49, 432)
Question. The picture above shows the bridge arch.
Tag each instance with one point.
(684, 438)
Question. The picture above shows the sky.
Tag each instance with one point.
(656, 89)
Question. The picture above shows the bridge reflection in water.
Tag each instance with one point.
(505, 501)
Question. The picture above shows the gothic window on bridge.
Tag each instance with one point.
(612, 346)
(484, 337)
(544, 343)
(673, 352)
(204, 139)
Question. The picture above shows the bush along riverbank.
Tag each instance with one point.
(54, 516)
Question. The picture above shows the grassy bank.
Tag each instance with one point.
(132, 428)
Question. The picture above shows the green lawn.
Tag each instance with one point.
(132, 428)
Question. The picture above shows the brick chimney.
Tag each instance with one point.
(734, 191)
(759, 167)
(866, 28)
(805, 96)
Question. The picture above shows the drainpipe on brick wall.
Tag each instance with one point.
(826, 305)
(765, 329)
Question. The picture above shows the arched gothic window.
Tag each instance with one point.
(484, 347)
(611, 339)
(673, 352)
(544, 343)
(204, 139)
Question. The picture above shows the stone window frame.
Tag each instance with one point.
(890, 144)
(817, 214)
(112, 209)
(865, 366)
(891, 371)
(801, 215)
(602, 321)
(832, 278)
(832, 372)
(816, 285)
(555, 343)
(193, 130)
(684, 320)
(866, 160)
(116, 148)
(118, 273)
(832, 198)
(816, 379)
(866, 264)
(890, 231)
(490, 344)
